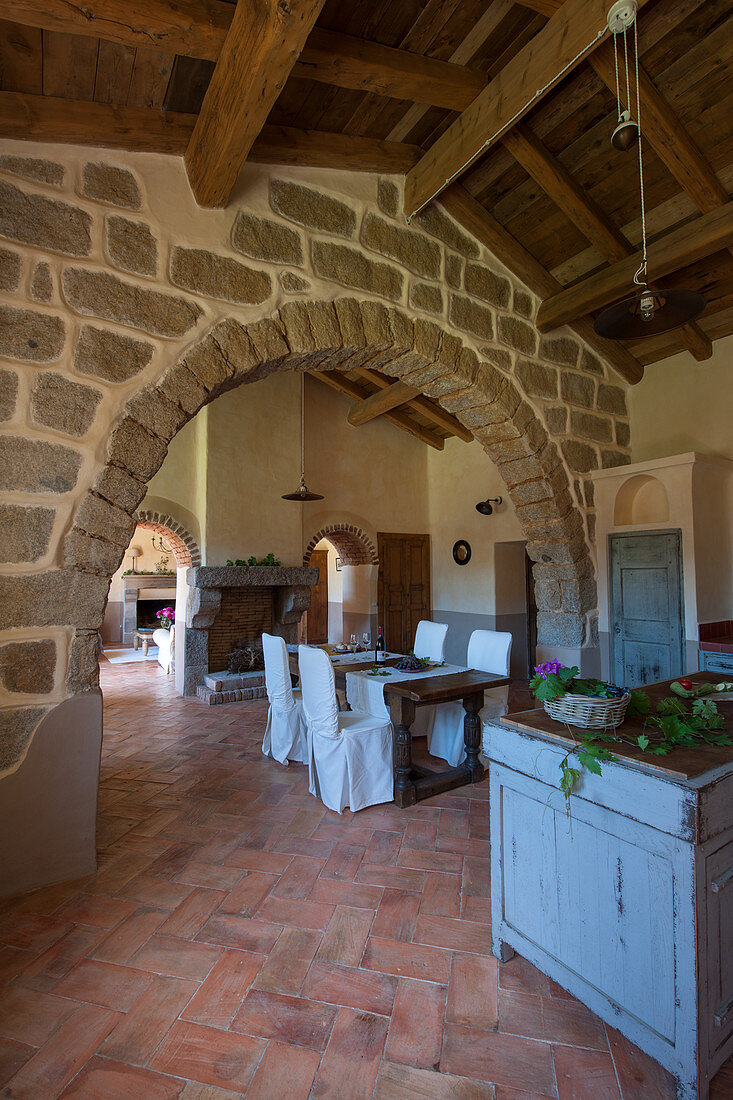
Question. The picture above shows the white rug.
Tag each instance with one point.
(128, 655)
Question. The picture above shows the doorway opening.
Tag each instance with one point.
(343, 603)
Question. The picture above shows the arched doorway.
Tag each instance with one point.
(345, 601)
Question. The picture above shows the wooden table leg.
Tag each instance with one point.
(146, 643)
(472, 705)
(402, 713)
(135, 642)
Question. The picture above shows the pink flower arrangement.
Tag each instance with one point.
(547, 667)
(166, 617)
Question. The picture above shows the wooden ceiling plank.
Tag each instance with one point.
(21, 58)
(346, 62)
(321, 149)
(699, 238)
(587, 215)
(423, 405)
(263, 44)
(337, 381)
(473, 217)
(395, 394)
(562, 44)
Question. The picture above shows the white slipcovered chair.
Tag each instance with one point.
(430, 640)
(285, 734)
(349, 754)
(165, 641)
(488, 651)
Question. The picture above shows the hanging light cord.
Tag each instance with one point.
(640, 278)
(515, 118)
(618, 87)
(302, 426)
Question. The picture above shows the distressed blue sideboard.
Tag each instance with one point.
(628, 901)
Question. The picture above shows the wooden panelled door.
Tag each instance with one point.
(404, 587)
(646, 606)
(316, 617)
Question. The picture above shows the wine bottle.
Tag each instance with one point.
(379, 651)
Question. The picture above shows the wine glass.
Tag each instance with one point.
(366, 640)
(354, 641)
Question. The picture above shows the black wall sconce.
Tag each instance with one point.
(484, 506)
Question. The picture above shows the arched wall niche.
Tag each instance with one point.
(641, 499)
(183, 545)
(353, 545)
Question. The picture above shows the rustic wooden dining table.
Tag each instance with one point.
(413, 782)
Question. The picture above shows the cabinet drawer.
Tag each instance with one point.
(717, 662)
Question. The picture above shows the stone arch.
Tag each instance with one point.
(353, 545)
(340, 334)
(184, 546)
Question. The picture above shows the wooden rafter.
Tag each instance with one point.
(393, 395)
(583, 211)
(262, 45)
(80, 122)
(676, 250)
(431, 410)
(338, 381)
(469, 213)
(559, 46)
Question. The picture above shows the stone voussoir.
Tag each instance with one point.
(83, 668)
(136, 449)
(155, 412)
(101, 519)
(119, 487)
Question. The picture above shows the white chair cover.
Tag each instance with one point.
(286, 735)
(165, 641)
(349, 755)
(430, 640)
(489, 651)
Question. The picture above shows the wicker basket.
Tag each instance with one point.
(588, 713)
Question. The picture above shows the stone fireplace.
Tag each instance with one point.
(232, 605)
(142, 597)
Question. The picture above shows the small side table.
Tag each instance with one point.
(144, 638)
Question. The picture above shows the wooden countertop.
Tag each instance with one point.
(684, 763)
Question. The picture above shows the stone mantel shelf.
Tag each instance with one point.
(133, 581)
(245, 576)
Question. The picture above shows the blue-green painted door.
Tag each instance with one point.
(646, 608)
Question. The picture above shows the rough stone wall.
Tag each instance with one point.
(125, 308)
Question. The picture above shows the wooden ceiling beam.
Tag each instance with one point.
(429, 409)
(595, 225)
(469, 213)
(561, 45)
(263, 43)
(143, 129)
(396, 393)
(693, 241)
(338, 381)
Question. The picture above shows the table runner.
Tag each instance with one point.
(365, 693)
(357, 658)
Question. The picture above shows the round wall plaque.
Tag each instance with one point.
(461, 552)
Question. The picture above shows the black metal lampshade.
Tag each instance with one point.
(302, 492)
(484, 506)
(649, 313)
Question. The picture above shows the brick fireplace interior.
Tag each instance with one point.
(245, 613)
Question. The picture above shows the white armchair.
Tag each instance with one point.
(166, 643)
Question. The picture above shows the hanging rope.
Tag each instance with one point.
(640, 278)
(618, 88)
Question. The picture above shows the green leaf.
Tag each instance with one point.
(639, 705)
(705, 708)
(642, 742)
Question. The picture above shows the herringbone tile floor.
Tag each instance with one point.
(240, 939)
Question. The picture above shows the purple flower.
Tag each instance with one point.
(547, 667)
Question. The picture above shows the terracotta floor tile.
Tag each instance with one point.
(455, 935)
(192, 914)
(585, 1073)
(209, 1055)
(355, 988)
(31, 933)
(345, 938)
(221, 994)
(383, 848)
(421, 835)
(521, 976)
(12, 961)
(476, 909)
(416, 1027)
(343, 862)
(400, 1082)
(246, 898)
(103, 1079)
(13, 1055)
(299, 914)
(137, 1036)
(31, 1017)
(96, 910)
(446, 862)
(453, 823)
(441, 896)
(407, 960)
(48, 1072)
(299, 879)
(194, 1090)
(350, 1065)
(285, 1071)
(488, 1056)
(210, 875)
(306, 821)
(157, 892)
(476, 877)
(553, 1019)
(254, 859)
(473, 992)
(334, 892)
(287, 964)
(394, 878)
(58, 960)
(640, 1077)
(240, 932)
(177, 958)
(463, 846)
(116, 987)
(294, 1020)
(396, 916)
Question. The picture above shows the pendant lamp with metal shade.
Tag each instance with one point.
(302, 493)
(647, 312)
